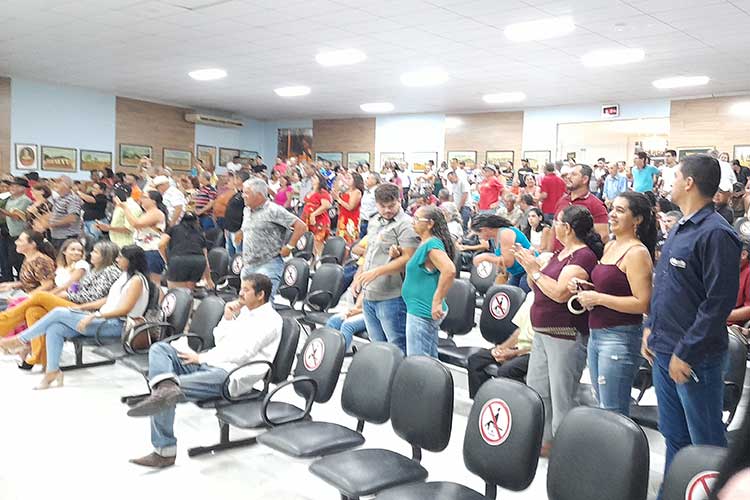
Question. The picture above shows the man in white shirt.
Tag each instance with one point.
(235, 165)
(728, 177)
(249, 331)
(668, 172)
(172, 197)
(459, 189)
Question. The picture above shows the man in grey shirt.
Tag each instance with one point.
(264, 230)
(15, 219)
(381, 281)
(459, 189)
(65, 221)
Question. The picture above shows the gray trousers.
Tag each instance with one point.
(555, 368)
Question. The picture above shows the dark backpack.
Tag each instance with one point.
(233, 215)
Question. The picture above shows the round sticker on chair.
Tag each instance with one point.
(301, 242)
(314, 353)
(499, 305)
(168, 304)
(700, 485)
(495, 422)
(290, 275)
(745, 228)
(484, 269)
(237, 265)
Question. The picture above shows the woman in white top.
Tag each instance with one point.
(539, 232)
(71, 267)
(149, 227)
(128, 297)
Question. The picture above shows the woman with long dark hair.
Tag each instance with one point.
(315, 212)
(349, 203)
(149, 227)
(506, 237)
(38, 268)
(620, 297)
(538, 231)
(185, 249)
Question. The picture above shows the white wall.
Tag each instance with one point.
(423, 133)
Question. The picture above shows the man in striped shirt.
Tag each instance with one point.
(204, 201)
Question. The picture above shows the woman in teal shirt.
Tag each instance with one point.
(506, 236)
(429, 274)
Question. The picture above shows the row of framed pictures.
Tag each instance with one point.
(57, 159)
(352, 159)
(418, 161)
(208, 154)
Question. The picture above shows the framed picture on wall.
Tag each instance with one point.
(537, 159)
(247, 154)
(177, 159)
(499, 158)
(131, 154)
(468, 157)
(354, 159)
(384, 157)
(683, 153)
(207, 154)
(742, 153)
(226, 155)
(56, 159)
(332, 157)
(27, 156)
(297, 142)
(418, 161)
(95, 160)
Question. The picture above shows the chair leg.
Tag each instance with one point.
(223, 444)
(80, 364)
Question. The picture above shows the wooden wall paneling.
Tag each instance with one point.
(351, 135)
(482, 132)
(6, 148)
(707, 122)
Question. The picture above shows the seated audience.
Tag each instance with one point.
(349, 322)
(149, 227)
(94, 207)
(71, 266)
(506, 237)
(741, 312)
(185, 250)
(38, 268)
(120, 231)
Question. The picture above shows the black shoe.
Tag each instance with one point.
(165, 395)
(23, 365)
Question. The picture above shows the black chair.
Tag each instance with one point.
(366, 396)
(501, 445)
(692, 472)
(315, 377)
(483, 277)
(304, 247)
(742, 226)
(295, 279)
(221, 273)
(421, 414)
(459, 321)
(598, 454)
(326, 289)
(215, 237)
(334, 251)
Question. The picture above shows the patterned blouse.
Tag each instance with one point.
(35, 270)
(95, 285)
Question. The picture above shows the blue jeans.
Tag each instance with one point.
(347, 326)
(232, 249)
(196, 382)
(690, 413)
(60, 324)
(519, 280)
(272, 268)
(89, 227)
(613, 358)
(465, 216)
(421, 336)
(363, 224)
(386, 321)
(207, 222)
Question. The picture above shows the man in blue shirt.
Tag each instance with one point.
(644, 175)
(614, 184)
(695, 288)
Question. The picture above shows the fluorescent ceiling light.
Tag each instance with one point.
(612, 57)
(376, 107)
(340, 57)
(504, 97)
(680, 81)
(204, 75)
(453, 122)
(542, 29)
(425, 77)
(740, 108)
(293, 91)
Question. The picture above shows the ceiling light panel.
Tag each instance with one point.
(376, 107)
(208, 74)
(541, 29)
(677, 82)
(504, 97)
(427, 77)
(612, 57)
(340, 57)
(292, 91)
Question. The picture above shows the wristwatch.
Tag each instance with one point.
(536, 276)
(98, 314)
(289, 247)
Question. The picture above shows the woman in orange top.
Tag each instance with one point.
(349, 205)
(315, 212)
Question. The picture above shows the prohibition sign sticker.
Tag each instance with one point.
(495, 422)
(301, 242)
(314, 354)
(499, 305)
(168, 304)
(700, 486)
(290, 275)
(484, 269)
(745, 228)
(237, 265)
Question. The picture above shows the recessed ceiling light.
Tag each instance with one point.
(340, 57)
(453, 122)
(376, 107)
(293, 91)
(680, 81)
(426, 77)
(207, 74)
(612, 57)
(740, 108)
(504, 97)
(542, 29)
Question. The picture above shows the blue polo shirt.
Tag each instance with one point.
(643, 178)
(695, 288)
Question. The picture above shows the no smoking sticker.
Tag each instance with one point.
(237, 265)
(168, 304)
(499, 305)
(314, 353)
(290, 276)
(700, 486)
(745, 228)
(484, 269)
(301, 242)
(495, 422)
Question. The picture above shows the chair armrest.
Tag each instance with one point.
(328, 259)
(294, 299)
(200, 340)
(317, 293)
(140, 330)
(308, 402)
(266, 382)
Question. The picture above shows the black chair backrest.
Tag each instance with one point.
(501, 303)
(284, 359)
(369, 382)
(461, 300)
(483, 276)
(215, 237)
(206, 317)
(295, 279)
(598, 454)
(742, 226)
(334, 250)
(505, 426)
(734, 379)
(176, 306)
(693, 472)
(320, 359)
(422, 403)
(218, 262)
(326, 287)
(235, 268)
(304, 247)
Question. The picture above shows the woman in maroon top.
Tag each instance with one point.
(620, 297)
(490, 190)
(558, 354)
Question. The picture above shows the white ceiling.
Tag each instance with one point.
(146, 48)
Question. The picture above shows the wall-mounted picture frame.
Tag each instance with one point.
(742, 153)
(356, 158)
(177, 159)
(537, 159)
(683, 153)
(333, 157)
(297, 142)
(226, 155)
(246, 154)
(500, 158)
(56, 159)
(571, 156)
(95, 160)
(468, 157)
(384, 157)
(131, 154)
(207, 154)
(27, 156)
(418, 161)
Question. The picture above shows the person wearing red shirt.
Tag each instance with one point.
(315, 211)
(741, 312)
(577, 186)
(552, 188)
(490, 190)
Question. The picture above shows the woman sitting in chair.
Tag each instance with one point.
(128, 297)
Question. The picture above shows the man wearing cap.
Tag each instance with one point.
(173, 199)
(15, 219)
(65, 221)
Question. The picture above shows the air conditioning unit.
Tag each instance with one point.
(212, 121)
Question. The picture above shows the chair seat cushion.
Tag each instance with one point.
(318, 318)
(311, 439)
(247, 415)
(430, 491)
(364, 472)
(113, 351)
(137, 362)
(291, 313)
(457, 356)
(92, 341)
(646, 416)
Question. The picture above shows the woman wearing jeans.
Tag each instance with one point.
(621, 295)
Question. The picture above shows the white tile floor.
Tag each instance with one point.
(74, 442)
